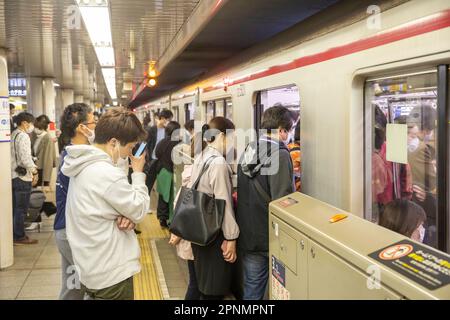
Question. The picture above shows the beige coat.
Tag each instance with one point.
(216, 180)
(45, 154)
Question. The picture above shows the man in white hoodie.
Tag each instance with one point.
(99, 193)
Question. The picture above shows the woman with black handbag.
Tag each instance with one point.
(211, 175)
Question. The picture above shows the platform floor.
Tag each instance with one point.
(36, 273)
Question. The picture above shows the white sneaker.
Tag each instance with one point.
(34, 226)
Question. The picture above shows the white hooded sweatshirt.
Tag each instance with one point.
(98, 194)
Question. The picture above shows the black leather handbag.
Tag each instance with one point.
(198, 216)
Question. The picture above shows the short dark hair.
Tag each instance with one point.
(12, 107)
(165, 114)
(42, 122)
(121, 124)
(171, 127)
(402, 216)
(24, 117)
(277, 117)
(424, 117)
(189, 126)
(73, 115)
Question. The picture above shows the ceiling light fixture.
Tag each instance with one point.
(97, 21)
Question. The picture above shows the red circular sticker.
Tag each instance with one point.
(395, 252)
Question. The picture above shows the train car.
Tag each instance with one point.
(331, 77)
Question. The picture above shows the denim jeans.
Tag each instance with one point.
(21, 202)
(70, 282)
(256, 275)
(192, 292)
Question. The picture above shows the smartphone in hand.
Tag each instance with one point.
(140, 150)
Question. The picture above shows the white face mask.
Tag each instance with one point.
(91, 136)
(121, 163)
(30, 128)
(413, 144)
(421, 233)
(288, 139)
(428, 137)
(38, 131)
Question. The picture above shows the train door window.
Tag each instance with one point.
(176, 115)
(210, 111)
(229, 109)
(189, 112)
(287, 96)
(220, 108)
(402, 160)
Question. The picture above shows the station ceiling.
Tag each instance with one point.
(238, 25)
(42, 42)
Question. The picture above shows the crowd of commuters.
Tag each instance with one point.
(404, 194)
(103, 192)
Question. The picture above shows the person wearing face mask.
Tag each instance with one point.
(24, 172)
(104, 246)
(44, 150)
(154, 135)
(77, 128)
(265, 173)
(422, 159)
(404, 217)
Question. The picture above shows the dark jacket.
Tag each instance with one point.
(164, 154)
(272, 167)
(62, 186)
(152, 136)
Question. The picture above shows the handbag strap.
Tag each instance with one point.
(205, 167)
(261, 190)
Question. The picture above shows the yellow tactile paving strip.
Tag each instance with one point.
(146, 284)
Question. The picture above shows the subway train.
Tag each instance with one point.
(334, 77)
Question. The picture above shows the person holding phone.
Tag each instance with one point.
(99, 194)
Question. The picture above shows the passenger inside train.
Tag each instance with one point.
(152, 150)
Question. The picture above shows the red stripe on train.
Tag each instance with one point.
(411, 29)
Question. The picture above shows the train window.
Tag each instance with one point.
(229, 109)
(176, 115)
(210, 111)
(219, 108)
(287, 96)
(401, 126)
(189, 112)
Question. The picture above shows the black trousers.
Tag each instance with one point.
(162, 212)
(151, 170)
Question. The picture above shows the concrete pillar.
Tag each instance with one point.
(68, 97)
(64, 97)
(35, 96)
(49, 99)
(6, 229)
(79, 98)
(58, 107)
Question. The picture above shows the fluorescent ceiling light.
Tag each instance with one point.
(97, 22)
(109, 75)
(105, 56)
(96, 18)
